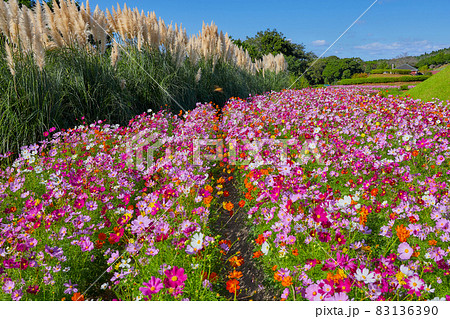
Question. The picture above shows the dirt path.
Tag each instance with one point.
(235, 229)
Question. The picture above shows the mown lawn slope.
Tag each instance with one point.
(437, 86)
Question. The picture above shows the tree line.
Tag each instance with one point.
(330, 69)
(300, 62)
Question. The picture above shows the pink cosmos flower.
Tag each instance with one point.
(405, 251)
(344, 286)
(91, 205)
(85, 244)
(115, 237)
(79, 203)
(8, 286)
(153, 286)
(285, 293)
(340, 296)
(16, 295)
(415, 284)
(319, 215)
(340, 239)
(312, 291)
(175, 277)
(139, 224)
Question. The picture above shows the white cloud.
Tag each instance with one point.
(398, 47)
(319, 43)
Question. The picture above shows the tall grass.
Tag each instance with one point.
(59, 66)
(75, 83)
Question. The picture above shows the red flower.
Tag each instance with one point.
(260, 240)
(233, 286)
(77, 297)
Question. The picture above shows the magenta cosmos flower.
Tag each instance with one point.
(319, 215)
(175, 277)
(153, 286)
(405, 251)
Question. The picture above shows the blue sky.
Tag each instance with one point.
(388, 29)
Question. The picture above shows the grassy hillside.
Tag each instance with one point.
(438, 86)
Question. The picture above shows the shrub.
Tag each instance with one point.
(359, 75)
(393, 71)
(409, 78)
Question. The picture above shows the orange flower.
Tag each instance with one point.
(415, 153)
(374, 192)
(236, 261)
(260, 240)
(257, 254)
(235, 274)
(228, 206)
(209, 188)
(330, 276)
(402, 233)
(277, 276)
(287, 281)
(432, 242)
(233, 286)
(207, 200)
(77, 297)
(363, 216)
(295, 252)
(274, 268)
(241, 203)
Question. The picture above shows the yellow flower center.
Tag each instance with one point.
(174, 278)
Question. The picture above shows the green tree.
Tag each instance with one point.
(272, 41)
(315, 71)
(337, 69)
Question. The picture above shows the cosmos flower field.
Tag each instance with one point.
(345, 194)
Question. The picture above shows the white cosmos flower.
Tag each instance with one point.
(406, 271)
(197, 241)
(265, 248)
(365, 275)
(344, 202)
(406, 137)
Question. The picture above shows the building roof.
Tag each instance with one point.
(406, 67)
